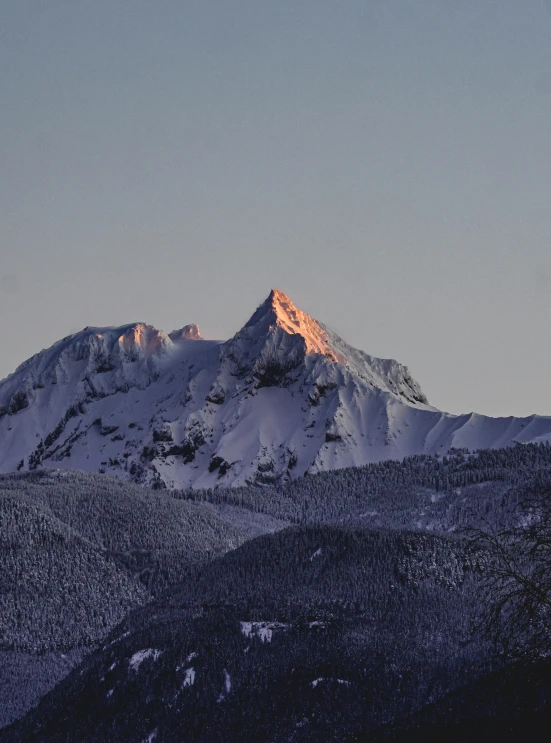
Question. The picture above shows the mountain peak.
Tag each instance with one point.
(276, 296)
(284, 396)
(280, 312)
(187, 333)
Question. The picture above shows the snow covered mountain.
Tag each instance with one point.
(283, 397)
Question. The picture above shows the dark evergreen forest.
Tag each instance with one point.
(343, 606)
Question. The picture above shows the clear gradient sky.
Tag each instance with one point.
(385, 163)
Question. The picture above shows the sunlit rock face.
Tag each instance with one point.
(187, 333)
(283, 397)
(279, 313)
(144, 340)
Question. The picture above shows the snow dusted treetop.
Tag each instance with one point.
(284, 397)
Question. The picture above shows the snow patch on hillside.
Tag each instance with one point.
(138, 658)
(263, 630)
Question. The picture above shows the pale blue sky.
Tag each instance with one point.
(386, 164)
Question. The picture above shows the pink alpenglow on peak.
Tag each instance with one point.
(144, 338)
(296, 322)
(187, 333)
(283, 397)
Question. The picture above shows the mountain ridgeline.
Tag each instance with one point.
(284, 397)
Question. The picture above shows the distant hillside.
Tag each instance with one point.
(81, 550)
(425, 492)
(78, 551)
(308, 634)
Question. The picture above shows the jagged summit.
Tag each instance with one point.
(142, 338)
(278, 311)
(187, 333)
(280, 337)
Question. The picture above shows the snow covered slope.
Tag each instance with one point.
(283, 397)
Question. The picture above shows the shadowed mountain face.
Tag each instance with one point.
(283, 397)
(510, 704)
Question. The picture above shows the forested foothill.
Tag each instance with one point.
(439, 493)
(358, 604)
(78, 551)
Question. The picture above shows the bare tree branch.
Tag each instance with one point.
(516, 576)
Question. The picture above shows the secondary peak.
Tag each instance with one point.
(187, 333)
